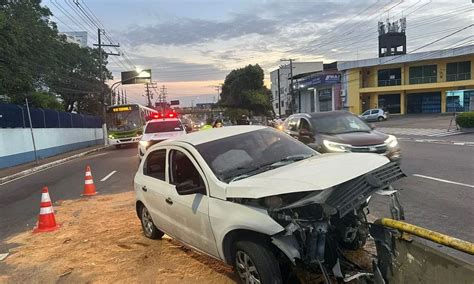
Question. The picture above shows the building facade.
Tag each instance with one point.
(428, 82)
(282, 101)
(320, 91)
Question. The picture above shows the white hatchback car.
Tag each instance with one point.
(157, 130)
(375, 114)
(259, 200)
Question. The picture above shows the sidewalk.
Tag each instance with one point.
(16, 169)
(426, 121)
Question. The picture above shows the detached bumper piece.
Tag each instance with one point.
(350, 195)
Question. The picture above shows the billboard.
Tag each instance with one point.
(134, 77)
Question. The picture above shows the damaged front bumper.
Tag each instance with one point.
(322, 224)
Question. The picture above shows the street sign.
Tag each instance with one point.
(134, 77)
(174, 103)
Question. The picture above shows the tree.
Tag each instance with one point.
(244, 89)
(34, 59)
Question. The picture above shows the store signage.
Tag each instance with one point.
(320, 80)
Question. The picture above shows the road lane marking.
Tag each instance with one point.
(444, 180)
(107, 176)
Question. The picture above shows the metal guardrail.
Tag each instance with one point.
(16, 116)
(433, 236)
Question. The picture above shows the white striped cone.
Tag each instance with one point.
(89, 186)
(46, 219)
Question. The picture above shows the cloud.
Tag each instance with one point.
(182, 31)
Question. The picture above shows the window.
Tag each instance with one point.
(182, 169)
(155, 165)
(293, 121)
(374, 111)
(367, 112)
(276, 105)
(389, 77)
(164, 126)
(457, 71)
(304, 124)
(423, 74)
(282, 103)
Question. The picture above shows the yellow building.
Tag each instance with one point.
(427, 82)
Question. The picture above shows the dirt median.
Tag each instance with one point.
(100, 240)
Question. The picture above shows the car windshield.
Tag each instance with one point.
(163, 126)
(123, 121)
(251, 153)
(337, 124)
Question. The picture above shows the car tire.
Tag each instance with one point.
(255, 261)
(149, 228)
(380, 118)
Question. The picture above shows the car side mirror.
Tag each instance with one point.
(188, 187)
(305, 133)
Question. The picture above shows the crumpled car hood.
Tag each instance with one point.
(313, 174)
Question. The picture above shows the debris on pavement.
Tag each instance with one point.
(3, 256)
(101, 241)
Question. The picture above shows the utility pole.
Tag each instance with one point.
(291, 78)
(101, 76)
(279, 99)
(148, 95)
(218, 89)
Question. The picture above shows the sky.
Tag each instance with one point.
(191, 45)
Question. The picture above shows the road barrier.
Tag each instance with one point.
(89, 186)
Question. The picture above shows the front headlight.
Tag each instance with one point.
(144, 143)
(111, 136)
(391, 141)
(336, 147)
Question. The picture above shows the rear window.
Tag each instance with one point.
(163, 126)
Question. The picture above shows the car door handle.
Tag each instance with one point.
(169, 201)
(144, 188)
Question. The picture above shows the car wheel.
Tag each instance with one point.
(254, 263)
(149, 228)
(380, 118)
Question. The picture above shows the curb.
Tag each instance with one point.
(49, 165)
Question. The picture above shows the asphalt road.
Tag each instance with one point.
(440, 206)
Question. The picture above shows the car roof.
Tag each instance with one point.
(323, 114)
(212, 134)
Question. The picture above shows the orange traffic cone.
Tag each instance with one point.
(46, 220)
(89, 187)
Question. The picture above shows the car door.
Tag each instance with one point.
(292, 128)
(156, 189)
(366, 114)
(374, 114)
(305, 133)
(190, 212)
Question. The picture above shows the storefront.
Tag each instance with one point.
(459, 100)
(319, 92)
(429, 102)
(390, 103)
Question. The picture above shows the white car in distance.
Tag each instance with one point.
(157, 130)
(259, 200)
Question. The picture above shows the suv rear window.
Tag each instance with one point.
(164, 126)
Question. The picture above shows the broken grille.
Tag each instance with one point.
(351, 194)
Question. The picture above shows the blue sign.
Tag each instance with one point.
(320, 80)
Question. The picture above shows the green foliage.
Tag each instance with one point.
(33, 57)
(243, 89)
(465, 119)
(45, 101)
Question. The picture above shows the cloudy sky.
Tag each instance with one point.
(191, 45)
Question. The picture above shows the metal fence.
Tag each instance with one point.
(16, 116)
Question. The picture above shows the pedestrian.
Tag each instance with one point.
(217, 123)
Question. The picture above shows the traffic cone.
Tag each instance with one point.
(89, 187)
(46, 220)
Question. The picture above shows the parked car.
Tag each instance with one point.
(340, 131)
(157, 130)
(375, 114)
(259, 200)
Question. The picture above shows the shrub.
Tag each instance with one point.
(465, 119)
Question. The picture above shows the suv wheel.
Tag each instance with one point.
(254, 263)
(380, 118)
(149, 228)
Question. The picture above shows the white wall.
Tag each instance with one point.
(16, 145)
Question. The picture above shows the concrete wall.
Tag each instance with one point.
(16, 146)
